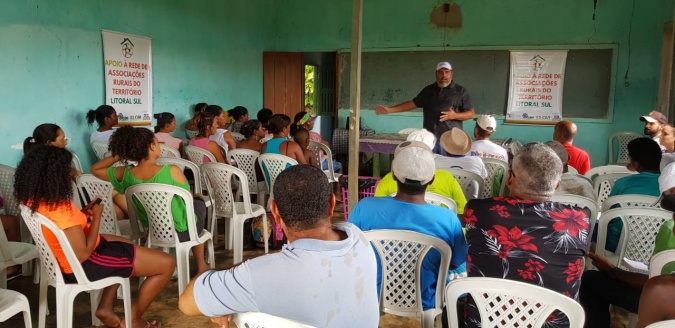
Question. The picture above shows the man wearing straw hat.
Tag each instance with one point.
(457, 144)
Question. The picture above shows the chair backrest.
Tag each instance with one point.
(509, 303)
(600, 170)
(659, 260)
(49, 264)
(436, 199)
(590, 182)
(408, 130)
(571, 169)
(316, 151)
(218, 179)
(75, 162)
(245, 159)
(493, 167)
(238, 137)
(155, 198)
(602, 185)
(630, 201)
(466, 179)
(623, 138)
(272, 165)
(401, 255)
(583, 203)
(89, 187)
(329, 158)
(168, 151)
(662, 324)
(640, 227)
(7, 190)
(191, 134)
(263, 320)
(196, 155)
(100, 149)
(184, 164)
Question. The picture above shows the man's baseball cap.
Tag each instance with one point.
(654, 117)
(445, 65)
(559, 150)
(487, 123)
(424, 136)
(413, 162)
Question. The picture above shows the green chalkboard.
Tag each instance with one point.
(393, 77)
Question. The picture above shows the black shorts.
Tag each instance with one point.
(109, 259)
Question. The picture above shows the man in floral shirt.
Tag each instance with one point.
(526, 237)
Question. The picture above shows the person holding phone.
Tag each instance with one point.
(43, 183)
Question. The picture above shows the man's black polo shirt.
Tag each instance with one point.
(435, 100)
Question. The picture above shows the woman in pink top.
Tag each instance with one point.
(166, 123)
(207, 127)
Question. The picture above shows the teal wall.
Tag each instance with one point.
(499, 24)
(52, 68)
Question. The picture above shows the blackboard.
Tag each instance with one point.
(393, 77)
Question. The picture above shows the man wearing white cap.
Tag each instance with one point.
(486, 125)
(444, 183)
(444, 103)
(413, 169)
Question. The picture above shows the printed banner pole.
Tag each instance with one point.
(127, 61)
(536, 86)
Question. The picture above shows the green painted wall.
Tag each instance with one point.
(52, 68)
(390, 25)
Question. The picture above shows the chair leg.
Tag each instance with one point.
(183, 264)
(211, 253)
(238, 239)
(42, 301)
(126, 296)
(36, 271)
(26, 317)
(231, 232)
(3, 278)
(265, 232)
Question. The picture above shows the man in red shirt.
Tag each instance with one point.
(564, 133)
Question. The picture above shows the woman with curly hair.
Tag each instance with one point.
(43, 183)
(207, 127)
(253, 131)
(141, 146)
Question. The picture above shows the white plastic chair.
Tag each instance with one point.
(168, 151)
(271, 165)
(262, 320)
(640, 227)
(191, 134)
(238, 137)
(401, 255)
(493, 166)
(12, 303)
(571, 169)
(51, 275)
(662, 324)
(184, 164)
(218, 179)
(11, 207)
(630, 201)
(623, 138)
(100, 149)
(317, 148)
(606, 169)
(659, 260)
(583, 203)
(75, 162)
(466, 180)
(509, 303)
(156, 200)
(245, 159)
(603, 184)
(196, 155)
(14, 253)
(436, 199)
(408, 130)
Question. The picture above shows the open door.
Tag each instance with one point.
(283, 82)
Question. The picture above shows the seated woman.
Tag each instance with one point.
(304, 120)
(52, 135)
(280, 126)
(207, 125)
(239, 116)
(166, 123)
(43, 184)
(253, 131)
(106, 117)
(191, 125)
(222, 137)
(141, 146)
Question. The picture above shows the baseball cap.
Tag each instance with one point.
(456, 142)
(487, 123)
(413, 162)
(445, 65)
(654, 117)
(423, 136)
(559, 150)
(667, 178)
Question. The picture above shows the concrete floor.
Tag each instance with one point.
(165, 308)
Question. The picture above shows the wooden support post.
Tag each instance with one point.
(355, 102)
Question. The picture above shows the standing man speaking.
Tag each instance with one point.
(445, 104)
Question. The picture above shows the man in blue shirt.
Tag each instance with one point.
(413, 170)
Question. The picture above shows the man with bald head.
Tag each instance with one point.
(564, 133)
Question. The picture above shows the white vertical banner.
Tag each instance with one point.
(127, 61)
(536, 86)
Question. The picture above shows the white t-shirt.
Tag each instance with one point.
(218, 138)
(658, 141)
(101, 136)
(489, 149)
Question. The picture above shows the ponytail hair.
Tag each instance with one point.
(249, 128)
(200, 107)
(203, 121)
(237, 112)
(299, 120)
(42, 134)
(99, 114)
(163, 119)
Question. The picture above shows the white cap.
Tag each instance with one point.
(424, 136)
(667, 178)
(487, 123)
(413, 161)
(445, 65)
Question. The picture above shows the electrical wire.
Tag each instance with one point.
(630, 29)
